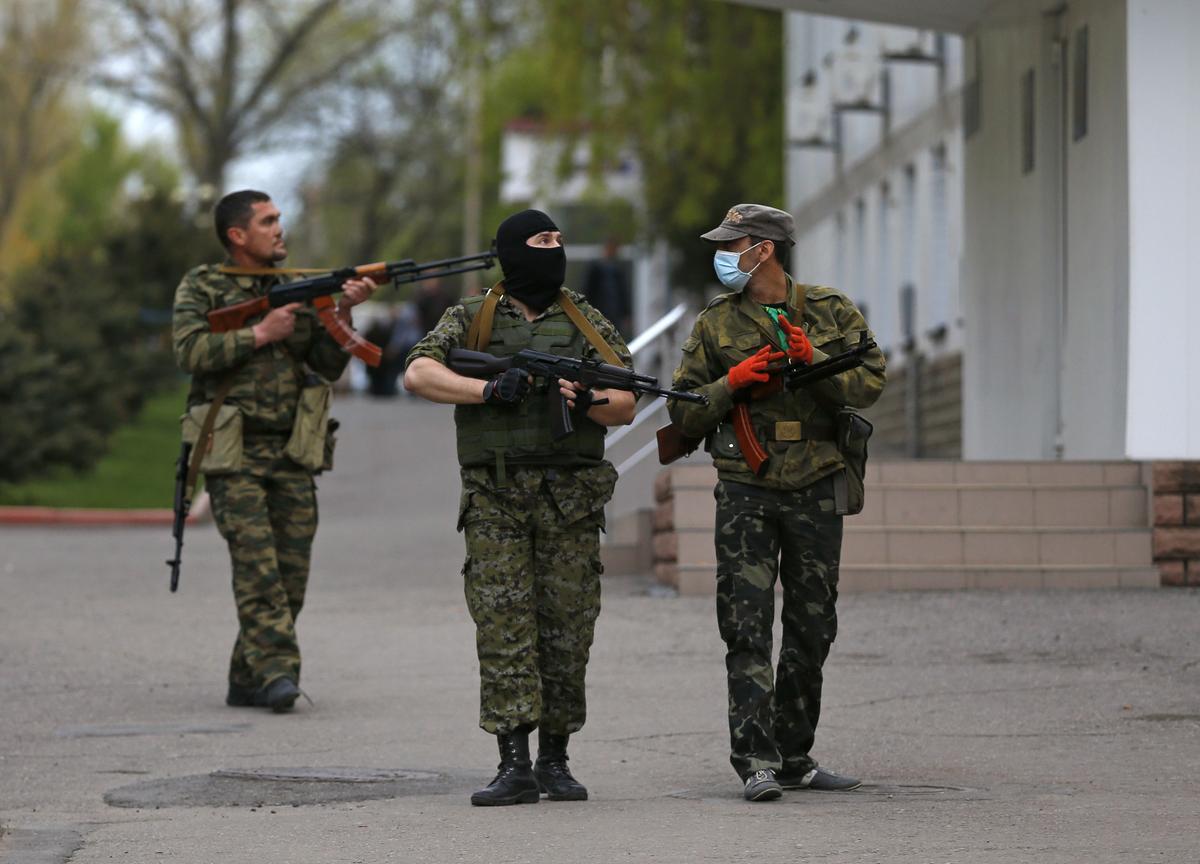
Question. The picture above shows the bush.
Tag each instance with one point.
(87, 339)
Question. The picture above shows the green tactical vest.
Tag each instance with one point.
(500, 435)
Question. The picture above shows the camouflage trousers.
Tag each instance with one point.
(793, 535)
(267, 513)
(532, 583)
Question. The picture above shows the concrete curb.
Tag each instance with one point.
(81, 516)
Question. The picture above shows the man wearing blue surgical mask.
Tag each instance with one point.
(782, 487)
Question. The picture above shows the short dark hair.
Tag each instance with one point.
(782, 254)
(235, 210)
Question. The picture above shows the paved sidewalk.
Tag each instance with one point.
(1023, 727)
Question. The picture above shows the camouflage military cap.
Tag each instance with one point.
(754, 220)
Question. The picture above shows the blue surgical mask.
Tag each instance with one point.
(728, 271)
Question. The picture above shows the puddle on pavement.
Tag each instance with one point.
(116, 730)
(280, 787)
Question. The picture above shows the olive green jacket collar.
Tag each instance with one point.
(753, 310)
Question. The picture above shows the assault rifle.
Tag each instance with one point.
(593, 374)
(182, 505)
(317, 290)
(674, 444)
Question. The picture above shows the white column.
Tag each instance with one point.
(1163, 417)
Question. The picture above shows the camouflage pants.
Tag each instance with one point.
(267, 513)
(532, 583)
(763, 533)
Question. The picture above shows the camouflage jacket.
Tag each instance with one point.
(730, 329)
(266, 386)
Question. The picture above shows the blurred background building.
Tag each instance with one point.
(1051, 244)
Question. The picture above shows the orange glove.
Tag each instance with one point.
(799, 348)
(753, 370)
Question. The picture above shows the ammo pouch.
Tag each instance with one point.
(852, 435)
(310, 431)
(222, 453)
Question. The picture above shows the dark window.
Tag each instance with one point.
(1079, 76)
(973, 95)
(908, 315)
(1027, 131)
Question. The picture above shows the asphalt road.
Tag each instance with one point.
(1039, 727)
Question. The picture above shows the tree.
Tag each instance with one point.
(38, 41)
(694, 87)
(86, 339)
(238, 75)
(398, 180)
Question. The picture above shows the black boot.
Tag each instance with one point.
(514, 783)
(280, 695)
(553, 776)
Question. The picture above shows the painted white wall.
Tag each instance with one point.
(1163, 418)
(1097, 191)
(1011, 273)
(1046, 271)
(870, 245)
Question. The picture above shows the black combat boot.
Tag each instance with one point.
(514, 783)
(553, 776)
(280, 695)
(239, 696)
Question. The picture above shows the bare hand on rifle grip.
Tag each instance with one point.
(753, 370)
(278, 325)
(354, 291)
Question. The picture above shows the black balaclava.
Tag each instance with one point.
(532, 274)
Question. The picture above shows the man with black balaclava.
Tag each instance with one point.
(532, 507)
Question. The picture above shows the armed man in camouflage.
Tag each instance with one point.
(263, 500)
(532, 507)
(787, 521)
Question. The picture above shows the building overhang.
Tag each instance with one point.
(951, 16)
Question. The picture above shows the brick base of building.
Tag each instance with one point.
(1177, 522)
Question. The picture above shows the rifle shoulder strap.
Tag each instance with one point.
(479, 334)
(229, 270)
(206, 428)
(589, 332)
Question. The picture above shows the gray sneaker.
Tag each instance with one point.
(762, 786)
(819, 779)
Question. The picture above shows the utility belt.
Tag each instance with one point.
(502, 466)
(847, 431)
(219, 434)
(797, 430)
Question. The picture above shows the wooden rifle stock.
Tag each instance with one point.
(673, 444)
(235, 317)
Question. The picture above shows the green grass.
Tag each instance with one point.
(137, 471)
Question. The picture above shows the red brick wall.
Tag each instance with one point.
(1177, 522)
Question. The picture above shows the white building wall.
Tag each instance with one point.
(1163, 418)
(1097, 193)
(1045, 275)
(1011, 272)
(868, 244)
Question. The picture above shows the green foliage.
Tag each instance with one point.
(138, 470)
(86, 338)
(693, 88)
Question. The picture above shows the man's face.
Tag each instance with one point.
(545, 240)
(761, 252)
(262, 238)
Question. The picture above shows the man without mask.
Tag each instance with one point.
(532, 274)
